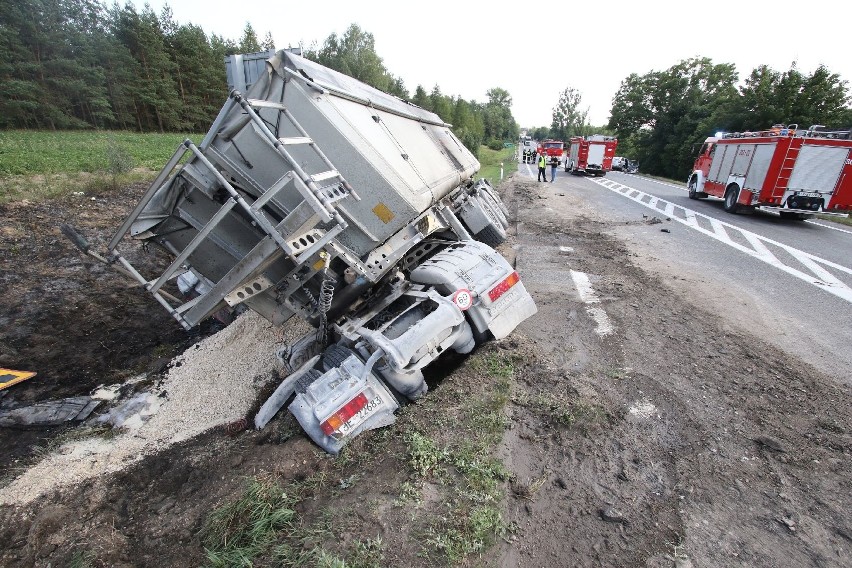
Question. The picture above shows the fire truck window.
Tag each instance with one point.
(711, 150)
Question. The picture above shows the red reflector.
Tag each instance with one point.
(503, 286)
(343, 415)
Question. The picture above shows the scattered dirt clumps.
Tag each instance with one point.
(674, 439)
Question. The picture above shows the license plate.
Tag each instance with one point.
(808, 193)
(374, 402)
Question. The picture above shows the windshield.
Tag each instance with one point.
(553, 145)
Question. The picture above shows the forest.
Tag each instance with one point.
(78, 64)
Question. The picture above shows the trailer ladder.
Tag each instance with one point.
(297, 236)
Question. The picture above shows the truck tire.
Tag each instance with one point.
(306, 380)
(693, 189)
(334, 355)
(491, 236)
(502, 206)
(488, 201)
(731, 196)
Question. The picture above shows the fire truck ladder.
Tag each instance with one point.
(787, 165)
(295, 236)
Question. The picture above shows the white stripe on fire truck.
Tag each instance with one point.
(819, 276)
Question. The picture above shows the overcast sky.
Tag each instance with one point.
(536, 50)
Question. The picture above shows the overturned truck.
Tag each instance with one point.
(318, 196)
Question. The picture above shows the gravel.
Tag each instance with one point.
(212, 383)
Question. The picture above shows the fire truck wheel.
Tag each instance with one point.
(693, 186)
(731, 196)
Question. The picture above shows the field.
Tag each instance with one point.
(42, 152)
(38, 164)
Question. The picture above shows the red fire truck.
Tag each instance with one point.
(550, 148)
(591, 155)
(795, 173)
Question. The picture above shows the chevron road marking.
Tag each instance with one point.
(809, 268)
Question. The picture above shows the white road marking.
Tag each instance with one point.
(812, 222)
(817, 270)
(683, 187)
(588, 297)
(828, 227)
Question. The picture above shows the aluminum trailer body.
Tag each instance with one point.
(316, 195)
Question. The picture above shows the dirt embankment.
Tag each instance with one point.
(669, 438)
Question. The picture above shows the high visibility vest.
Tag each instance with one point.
(542, 163)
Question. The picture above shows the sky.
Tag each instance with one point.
(535, 51)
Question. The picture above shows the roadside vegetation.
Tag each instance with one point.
(491, 161)
(443, 480)
(38, 165)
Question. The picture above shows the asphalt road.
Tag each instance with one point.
(787, 282)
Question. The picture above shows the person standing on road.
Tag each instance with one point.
(542, 165)
(554, 161)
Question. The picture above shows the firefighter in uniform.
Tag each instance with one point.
(542, 165)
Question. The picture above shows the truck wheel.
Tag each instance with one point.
(731, 196)
(491, 236)
(492, 193)
(306, 380)
(479, 337)
(334, 355)
(693, 189)
(488, 201)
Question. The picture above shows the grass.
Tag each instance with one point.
(31, 152)
(81, 559)
(460, 459)
(559, 411)
(242, 530)
(841, 220)
(38, 165)
(262, 526)
(490, 163)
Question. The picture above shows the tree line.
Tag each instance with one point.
(490, 123)
(71, 64)
(661, 116)
(68, 64)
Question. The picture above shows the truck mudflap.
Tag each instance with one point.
(342, 403)
(499, 300)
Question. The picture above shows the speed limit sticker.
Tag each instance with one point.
(463, 298)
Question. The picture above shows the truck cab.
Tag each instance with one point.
(551, 148)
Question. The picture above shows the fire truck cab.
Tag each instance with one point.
(550, 148)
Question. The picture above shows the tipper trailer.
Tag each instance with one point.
(317, 196)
